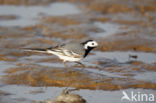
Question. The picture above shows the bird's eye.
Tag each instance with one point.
(92, 43)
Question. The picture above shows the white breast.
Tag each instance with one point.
(64, 58)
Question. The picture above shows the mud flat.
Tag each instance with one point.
(125, 59)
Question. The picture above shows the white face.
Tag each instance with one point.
(92, 44)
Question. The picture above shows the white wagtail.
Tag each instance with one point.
(72, 52)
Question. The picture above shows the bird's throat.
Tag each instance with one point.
(87, 51)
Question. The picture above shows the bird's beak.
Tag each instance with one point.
(97, 44)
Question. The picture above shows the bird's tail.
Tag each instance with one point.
(35, 50)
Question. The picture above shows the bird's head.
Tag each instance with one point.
(90, 44)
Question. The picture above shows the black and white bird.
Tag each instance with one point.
(72, 52)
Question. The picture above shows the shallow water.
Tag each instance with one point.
(29, 15)
(146, 76)
(51, 64)
(107, 29)
(4, 66)
(108, 74)
(43, 93)
(108, 68)
(123, 57)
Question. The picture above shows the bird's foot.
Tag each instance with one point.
(78, 63)
(67, 68)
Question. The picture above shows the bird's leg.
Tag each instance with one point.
(82, 65)
(67, 91)
(64, 62)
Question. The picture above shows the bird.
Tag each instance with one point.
(67, 97)
(71, 52)
(133, 56)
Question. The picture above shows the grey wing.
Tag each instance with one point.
(57, 48)
(71, 54)
(75, 48)
(70, 49)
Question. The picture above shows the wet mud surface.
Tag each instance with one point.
(125, 58)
